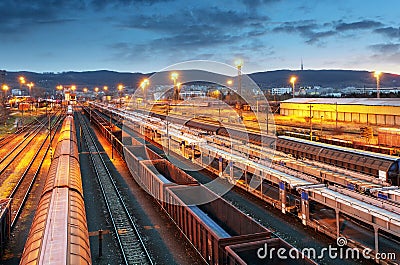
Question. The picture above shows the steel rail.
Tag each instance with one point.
(129, 240)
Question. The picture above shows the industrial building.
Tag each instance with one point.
(359, 110)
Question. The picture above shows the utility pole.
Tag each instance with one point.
(166, 119)
(239, 64)
(321, 123)
(311, 122)
(267, 118)
(336, 114)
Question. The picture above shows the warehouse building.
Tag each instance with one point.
(359, 110)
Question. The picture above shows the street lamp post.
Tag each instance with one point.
(239, 64)
(61, 89)
(22, 81)
(311, 117)
(377, 75)
(73, 88)
(143, 85)
(293, 81)
(96, 89)
(30, 86)
(4, 87)
(120, 88)
(322, 117)
(167, 123)
(174, 77)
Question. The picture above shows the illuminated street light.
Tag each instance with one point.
(174, 77)
(239, 64)
(105, 88)
(73, 87)
(22, 80)
(377, 75)
(5, 88)
(96, 89)
(30, 85)
(85, 90)
(143, 85)
(293, 81)
(229, 82)
(120, 88)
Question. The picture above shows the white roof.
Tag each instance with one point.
(347, 101)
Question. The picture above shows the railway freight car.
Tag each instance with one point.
(59, 233)
(213, 225)
(208, 221)
(384, 167)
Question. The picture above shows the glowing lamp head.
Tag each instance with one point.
(96, 89)
(293, 79)
(120, 87)
(105, 88)
(238, 62)
(144, 83)
(229, 82)
(73, 87)
(5, 87)
(377, 74)
(22, 80)
(174, 76)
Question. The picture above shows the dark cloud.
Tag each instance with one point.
(102, 4)
(359, 25)
(390, 58)
(315, 33)
(309, 29)
(196, 19)
(390, 32)
(386, 47)
(252, 4)
(18, 16)
(198, 29)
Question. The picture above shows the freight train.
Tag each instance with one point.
(218, 231)
(382, 166)
(59, 233)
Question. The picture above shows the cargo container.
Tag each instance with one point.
(213, 225)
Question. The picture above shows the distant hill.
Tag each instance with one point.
(81, 79)
(279, 78)
(324, 78)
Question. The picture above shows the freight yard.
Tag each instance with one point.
(154, 186)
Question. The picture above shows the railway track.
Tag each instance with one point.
(361, 179)
(15, 143)
(129, 240)
(8, 139)
(22, 189)
(19, 149)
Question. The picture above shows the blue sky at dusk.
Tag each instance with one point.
(146, 36)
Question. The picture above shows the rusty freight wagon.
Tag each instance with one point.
(213, 225)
